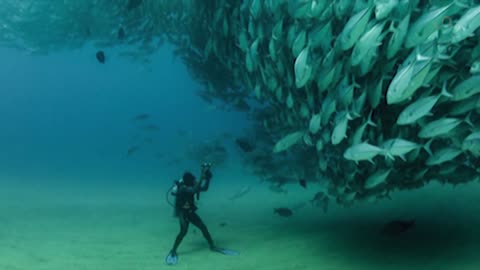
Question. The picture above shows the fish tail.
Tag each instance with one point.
(388, 155)
(460, 4)
(444, 92)
(369, 120)
(427, 147)
(468, 120)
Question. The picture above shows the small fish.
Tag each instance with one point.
(288, 141)
(150, 128)
(133, 4)
(396, 227)
(100, 57)
(121, 33)
(142, 116)
(320, 200)
(222, 224)
(240, 193)
(283, 212)
(277, 189)
(303, 183)
(132, 150)
(245, 145)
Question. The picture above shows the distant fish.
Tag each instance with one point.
(320, 200)
(303, 182)
(150, 127)
(277, 189)
(242, 192)
(184, 133)
(298, 206)
(283, 212)
(141, 117)
(100, 57)
(245, 145)
(396, 227)
(148, 140)
(121, 33)
(132, 150)
(133, 4)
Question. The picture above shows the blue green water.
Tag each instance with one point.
(66, 121)
(67, 116)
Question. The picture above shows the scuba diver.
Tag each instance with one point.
(186, 190)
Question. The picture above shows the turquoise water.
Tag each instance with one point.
(66, 116)
(72, 198)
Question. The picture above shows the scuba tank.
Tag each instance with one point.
(172, 190)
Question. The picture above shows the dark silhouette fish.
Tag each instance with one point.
(133, 4)
(396, 227)
(320, 200)
(132, 150)
(121, 34)
(100, 57)
(240, 193)
(150, 128)
(245, 145)
(303, 182)
(283, 212)
(141, 117)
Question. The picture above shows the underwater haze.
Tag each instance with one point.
(340, 134)
(66, 117)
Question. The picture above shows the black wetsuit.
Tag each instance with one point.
(185, 210)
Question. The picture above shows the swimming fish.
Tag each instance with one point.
(240, 193)
(283, 212)
(396, 227)
(303, 182)
(133, 4)
(245, 145)
(100, 57)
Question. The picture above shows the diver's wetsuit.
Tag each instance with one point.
(185, 210)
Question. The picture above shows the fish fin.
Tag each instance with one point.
(402, 157)
(468, 120)
(420, 57)
(371, 161)
(389, 155)
(427, 147)
(349, 116)
(460, 4)
(391, 28)
(444, 90)
(369, 120)
(354, 83)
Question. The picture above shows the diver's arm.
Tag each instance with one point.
(207, 176)
(205, 186)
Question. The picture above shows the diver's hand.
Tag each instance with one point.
(208, 175)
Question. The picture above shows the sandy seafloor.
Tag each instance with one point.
(85, 227)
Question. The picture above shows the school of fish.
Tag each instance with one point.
(372, 95)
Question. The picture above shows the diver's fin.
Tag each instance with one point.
(225, 251)
(171, 258)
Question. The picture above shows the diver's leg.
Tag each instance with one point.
(183, 230)
(172, 257)
(197, 221)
